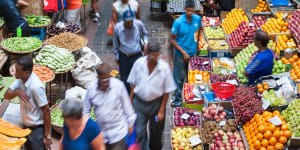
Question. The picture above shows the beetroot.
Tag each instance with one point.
(246, 103)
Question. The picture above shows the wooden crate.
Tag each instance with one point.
(193, 127)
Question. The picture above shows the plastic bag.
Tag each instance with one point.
(111, 26)
(76, 92)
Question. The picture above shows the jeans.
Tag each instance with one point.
(35, 139)
(180, 71)
(125, 65)
(146, 111)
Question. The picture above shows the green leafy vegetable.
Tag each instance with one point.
(22, 44)
(8, 81)
(34, 20)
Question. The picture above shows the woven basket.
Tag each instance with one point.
(71, 50)
(23, 52)
(59, 129)
(49, 69)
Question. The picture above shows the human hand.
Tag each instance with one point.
(117, 62)
(23, 96)
(47, 143)
(130, 130)
(160, 116)
(186, 57)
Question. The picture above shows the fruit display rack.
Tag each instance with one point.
(177, 6)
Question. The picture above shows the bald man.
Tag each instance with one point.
(262, 64)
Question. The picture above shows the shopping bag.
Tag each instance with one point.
(50, 5)
(130, 141)
(111, 26)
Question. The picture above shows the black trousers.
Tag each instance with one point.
(125, 65)
(35, 139)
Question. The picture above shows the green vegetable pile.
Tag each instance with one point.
(57, 59)
(84, 2)
(292, 117)
(56, 117)
(34, 20)
(221, 70)
(8, 81)
(22, 44)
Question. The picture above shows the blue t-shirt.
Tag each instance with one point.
(262, 65)
(83, 142)
(185, 33)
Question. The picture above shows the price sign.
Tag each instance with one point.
(196, 113)
(282, 81)
(194, 140)
(234, 82)
(290, 44)
(212, 21)
(285, 15)
(185, 116)
(198, 76)
(222, 123)
(220, 54)
(276, 121)
(205, 63)
(224, 72)
(251, 25)
(265, 104)
(223, 44)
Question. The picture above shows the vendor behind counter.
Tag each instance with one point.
(12, 16)
(213, 8)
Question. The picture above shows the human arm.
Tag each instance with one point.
(138, 16)
(98, 143)
(145, 37)
(14, 91)
(47, 126)
(127, 108)
(162, 109)
(114, 15)
(116, 45)
(61, 147)
(252, 68)
(174, 32)
(132, 92)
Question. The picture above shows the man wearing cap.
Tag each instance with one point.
(184, 42)
(151, 80)
(126, 43)
(112, 108)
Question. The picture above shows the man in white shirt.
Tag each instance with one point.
(112, 108)
(34, 106)
(151, 82)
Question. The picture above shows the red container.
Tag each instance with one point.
(223, 90)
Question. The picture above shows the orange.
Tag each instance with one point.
(257, 115)
(261, 128)
(267, 134)
(276, 113)
(265, 83)
(262, 148)
(260, 90)
(265, 142)
(272, 127)
(256, 144)
(279, 146)
(272, 141)
(287, 133)
(295, 57)
(270, 147)
(291, 60)
(284, 127)
(282, 140)
(276, 134)
(260, 136)
(259, 86)
(266, 87)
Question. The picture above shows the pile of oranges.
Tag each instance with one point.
(203, 76)
(261, 7)
(293, 60)
(233, 19)
(284, 42)
(280, 15)
(262, 87)
(263, 135)
(275, 26)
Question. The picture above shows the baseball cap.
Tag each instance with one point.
(128, 15)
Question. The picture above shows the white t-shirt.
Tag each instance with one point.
(121, 8)
(31, 112)
(148, 87)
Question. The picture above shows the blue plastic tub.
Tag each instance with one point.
(280, 2)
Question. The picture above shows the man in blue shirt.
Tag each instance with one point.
(262, 64)
(185, 44)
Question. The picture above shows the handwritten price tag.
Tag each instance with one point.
(223, 44)
(205, 63)
(290, 44)
(265, 104)
(285, 15)
(276, 121)
(185, 116)
(195, 140)
(222, 123)
(196, 113)
(251, 25)
(212, 21)
(198, 76)
(234, 82)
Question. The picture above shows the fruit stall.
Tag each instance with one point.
(232, 114)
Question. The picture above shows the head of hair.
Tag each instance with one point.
(26, 63)
(71, 108)
(103, 69)
(262, 37)
(153, 47)
(189, 4)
